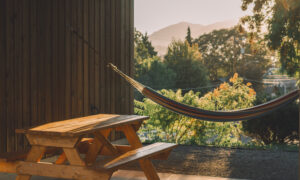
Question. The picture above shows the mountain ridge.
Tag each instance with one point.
(162, 38)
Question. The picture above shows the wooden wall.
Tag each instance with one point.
(53, 62)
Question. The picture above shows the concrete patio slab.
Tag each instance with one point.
(131, 175)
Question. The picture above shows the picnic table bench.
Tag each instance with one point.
(80, 155)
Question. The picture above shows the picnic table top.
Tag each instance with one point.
(83, 125)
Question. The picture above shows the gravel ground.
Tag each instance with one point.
(230, 163)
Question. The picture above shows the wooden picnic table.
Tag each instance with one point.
(82, 157)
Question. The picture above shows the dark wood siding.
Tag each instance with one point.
(53, 57)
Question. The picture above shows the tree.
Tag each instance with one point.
(186, 62)
(188, 37)
(149, 69)
(227, 51)
(283, 20)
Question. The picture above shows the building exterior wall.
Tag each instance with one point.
(53, 62)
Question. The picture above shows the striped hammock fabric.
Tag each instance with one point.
(215, 116)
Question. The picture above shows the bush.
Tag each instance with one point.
(165, 125)
(279, 127)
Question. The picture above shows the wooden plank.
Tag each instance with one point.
(61, 60)
(131, 52)
(126, 54)
(73, 156)
(10, 75)
(86, 57)
(43, 140)
(137, 154)
(18, 80)
(122, 58)
(113, 60)
(54, 62)
(107, 56)
(94, 148)
(106, 143)
(97, 56)
(33, 64)
(8, 167)
(34, 155)
(3, 51)
(79, 78)
(48, 57)
(62, 171)
(26, 96)
(68, 99)
(92, 55)
(85, 125)
(102, 57)
(74, 59)
(41, 60)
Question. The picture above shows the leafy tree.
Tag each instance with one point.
(156, 74)
(172, 127)
(188, 37)
(283, 20)
(149, 69)
(226, 51)
(186, 62)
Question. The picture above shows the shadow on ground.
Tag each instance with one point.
(230, 163)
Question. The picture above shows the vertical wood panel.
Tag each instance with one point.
(102, 97)
(74, 58)
(54, 62)
(25, 61)
(68, 99)
(107, 56)
(86, 57)
(3, 124)
(54, 56)
(18, 73)
(91, 45)
(131, 51)
(33, 64)
(97, 56)
(61, 60)
(79, 38)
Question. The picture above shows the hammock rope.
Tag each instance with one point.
(215, 116)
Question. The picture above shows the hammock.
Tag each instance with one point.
(215, 116)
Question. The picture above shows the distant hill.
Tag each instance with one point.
(163, 37)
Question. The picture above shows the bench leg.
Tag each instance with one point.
(135, 142)
(34, 155)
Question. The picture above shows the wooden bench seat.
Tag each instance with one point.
(136, 154)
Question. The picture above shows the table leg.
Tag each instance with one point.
(73, 156)
(95, 148)
(135, 142)
(34, 155)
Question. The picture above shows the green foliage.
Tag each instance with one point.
(186, 61)
(227, 51)
(156, 74)
(279, 127)
(149, 69)
(165, 125)
(283, 20)
(188, 37)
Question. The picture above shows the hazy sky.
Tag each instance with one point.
(152, 15)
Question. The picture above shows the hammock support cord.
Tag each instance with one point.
(215, 116)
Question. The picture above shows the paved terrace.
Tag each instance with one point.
(131, 175)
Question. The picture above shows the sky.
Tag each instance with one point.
(152, 15)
